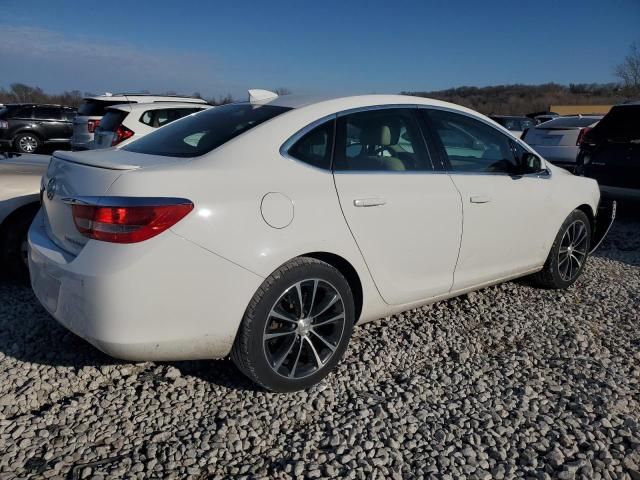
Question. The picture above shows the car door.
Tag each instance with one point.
(505, 227)
(405, 217)
(50, 124)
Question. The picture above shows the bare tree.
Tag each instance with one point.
(629, 70)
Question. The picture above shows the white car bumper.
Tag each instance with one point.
(162, 299)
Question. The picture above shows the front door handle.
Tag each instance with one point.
(480, 199)
(369, 202)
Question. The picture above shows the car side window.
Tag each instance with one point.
(46, 113)
(472, 146)
(315, 147)
(23, 112)
(386, 139)
(68, 115)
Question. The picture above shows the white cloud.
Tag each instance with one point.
(56, 61)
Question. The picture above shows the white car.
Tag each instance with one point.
(92, 109)
(122, 124)
(19, 202)
(266, 230)
(559, 140)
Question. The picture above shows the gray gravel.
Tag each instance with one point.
(508, 382)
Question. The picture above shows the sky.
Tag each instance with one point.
(311, 47)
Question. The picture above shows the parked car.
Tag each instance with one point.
(93, 109)
(266, 230)
(25, 127)
(122, 124)
(19, 201)
(516, 125)
(610, 152)
(559, 139)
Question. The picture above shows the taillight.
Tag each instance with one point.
(92, 125)
(582, 135)
(121, 133)
(127, 224)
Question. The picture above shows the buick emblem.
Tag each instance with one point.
(51, 188)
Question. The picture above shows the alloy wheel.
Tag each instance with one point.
(304, 328)
(573, 250)
(28, 143)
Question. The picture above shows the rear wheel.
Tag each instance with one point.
(26, 143)
(297, 326)
(569, 253)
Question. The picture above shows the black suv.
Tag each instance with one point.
(25, 127)
(610, 152)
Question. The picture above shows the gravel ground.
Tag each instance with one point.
(508, 382)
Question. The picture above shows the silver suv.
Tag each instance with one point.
(92, 110)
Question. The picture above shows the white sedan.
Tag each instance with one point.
(266, 230)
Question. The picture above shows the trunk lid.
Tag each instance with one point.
(552, 137)
(90, 173)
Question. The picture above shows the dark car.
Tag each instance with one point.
(25, 127)
(610, 152)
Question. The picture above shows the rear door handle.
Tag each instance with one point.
(369, 202)
(480, 198)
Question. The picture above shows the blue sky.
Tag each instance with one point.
(318, 47)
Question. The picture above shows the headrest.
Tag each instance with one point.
(380, 135)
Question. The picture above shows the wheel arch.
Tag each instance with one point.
(348, 271)
(30, 207)
(588, 211)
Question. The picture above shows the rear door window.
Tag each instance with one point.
(158, 118)
(197, 135)
(23, 112)
(315, 147)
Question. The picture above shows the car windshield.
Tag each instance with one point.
(198, 134)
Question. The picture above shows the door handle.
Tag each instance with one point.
(369, 202)
(480, 199)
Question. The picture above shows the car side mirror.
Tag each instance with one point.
(531, 163)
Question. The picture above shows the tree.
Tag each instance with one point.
(629, 70)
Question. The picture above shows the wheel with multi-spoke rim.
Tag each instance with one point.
(569, 253)
(26, 143)
(297, 326)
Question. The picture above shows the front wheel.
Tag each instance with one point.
(26, 143)
(569, 253)
(297, 326)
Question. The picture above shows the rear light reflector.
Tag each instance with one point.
(121, 133)
(127, 224)
(92, 125)
(582, 135)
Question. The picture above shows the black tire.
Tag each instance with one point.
(14, 241)
(562, 269)
(256, 356)
(26, 142)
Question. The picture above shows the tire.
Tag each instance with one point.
(14, 244)
(294, 357)
(26, 142)
(568, 255)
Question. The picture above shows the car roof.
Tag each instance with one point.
(31, 104)
(126, 97)
(133, 107)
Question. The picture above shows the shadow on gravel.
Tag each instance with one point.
(29, 334)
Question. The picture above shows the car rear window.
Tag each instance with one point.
(199, 134)
(569, 122)
(112, 120)
(621, 124)
(96, 108)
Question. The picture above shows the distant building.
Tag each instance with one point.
(580, 109)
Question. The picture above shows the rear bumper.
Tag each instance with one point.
(162, 299)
